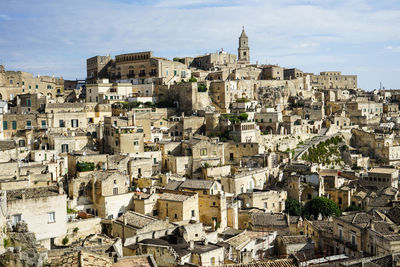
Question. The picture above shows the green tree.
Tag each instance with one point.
(193, 80)
(293, 207)
(321, 205)
(243, 116)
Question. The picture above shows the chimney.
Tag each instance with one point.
(191, 245)
(205, 241)
(167, 219)
(125, 221)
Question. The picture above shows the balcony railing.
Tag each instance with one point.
(142, 74)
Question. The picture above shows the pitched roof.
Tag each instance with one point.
(34, 192)
(197, 184)
(268, 219)
(136, 220)
(173, 185)
(7, 145)
(139, 260)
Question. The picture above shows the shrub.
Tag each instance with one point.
(193, 80)
(201, 88)
(243, 117)
(65, 240)
(85, 166)
(76, 229)
(6, 243)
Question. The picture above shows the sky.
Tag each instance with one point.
(360, 37)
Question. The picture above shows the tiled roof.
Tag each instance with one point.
(135, 219)
(134, 261)
(6, 145)
(267, 219)
(197, 184)
(270, 263)
(394, 214)
(174, 197)
(35, 192)
(294, 239)
(173, 185)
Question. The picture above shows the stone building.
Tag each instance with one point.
(244, 49)
(216, 60)
(122, 135)
(13, 83)
(133, 227)
(212, 202)
(44, 209)
(96, 68)
(178, 205)
(333, 80)
(137, 68)
(271, 201)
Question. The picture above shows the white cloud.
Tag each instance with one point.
(392, 48)
(311, 34)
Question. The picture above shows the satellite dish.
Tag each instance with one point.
(144, 190)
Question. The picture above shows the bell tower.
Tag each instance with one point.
(243, 50)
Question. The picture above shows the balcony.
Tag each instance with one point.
(351, 246)
(153, 73)
(131, 75)
(142, 74)
(347, 244)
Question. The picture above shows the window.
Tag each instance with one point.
(14, 125)
(340, 233)
(205, 192)
(193, 213)
(203, 152)
(43, 124)
(74, 123)
(353, 240)
(28, 124)
(265, 205)
(36, 86)
(115, 191)
(11, 82)
(64, 148)
(16, 218)
(4, 125)
(61, 123)
(28, 103)
(51, 217)
(176, 216)
(135, 143)
(21, 143)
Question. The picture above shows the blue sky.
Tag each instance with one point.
(359, 37)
